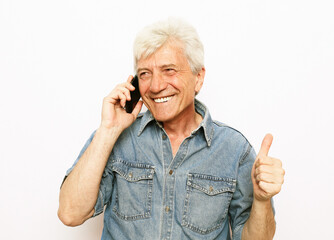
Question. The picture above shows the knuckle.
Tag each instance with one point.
(263, 186)
(280, 180)
(260, 176)
(277, 188)
(261, 168)
(259, 162)
(278, 162)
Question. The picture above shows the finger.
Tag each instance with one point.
(129, 79)
(126, 84)
(274, 170)
(123, 87)
(268, 178)
(264, 169)
(137, 109)
(268, 161)
(117, 96)
(126, 92)
(113, 97)
(123, 99)
(265, 146)
(129, 86)
(269, 188)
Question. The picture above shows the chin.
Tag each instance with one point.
(162, 117)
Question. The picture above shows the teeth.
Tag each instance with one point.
(161, 100)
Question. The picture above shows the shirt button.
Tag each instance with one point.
(167, 209)
(170, 172)
(164, 137)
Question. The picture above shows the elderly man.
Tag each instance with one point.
(171, 172)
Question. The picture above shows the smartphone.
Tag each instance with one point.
(135, 96)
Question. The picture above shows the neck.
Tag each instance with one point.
(177, 131)
(184, 127)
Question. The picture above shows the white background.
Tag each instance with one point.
(269, 69)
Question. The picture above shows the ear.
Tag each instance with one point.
(199, 80)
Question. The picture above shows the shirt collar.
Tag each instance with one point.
(145, 120)
(206, 123)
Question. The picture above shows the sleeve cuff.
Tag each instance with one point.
(237, 232)
(99, 206)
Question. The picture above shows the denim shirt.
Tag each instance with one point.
(204, 192)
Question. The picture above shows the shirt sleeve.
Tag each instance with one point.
(80, 154)
(242, 199)
(105, 188)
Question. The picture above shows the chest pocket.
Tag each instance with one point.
(133, 186)
(207, 202)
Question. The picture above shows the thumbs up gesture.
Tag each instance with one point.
(267, 173)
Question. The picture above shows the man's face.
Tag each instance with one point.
(167, 84)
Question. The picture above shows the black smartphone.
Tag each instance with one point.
(135, 96)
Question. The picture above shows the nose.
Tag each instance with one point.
(157, 83)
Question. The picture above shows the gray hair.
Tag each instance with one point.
(154, 36)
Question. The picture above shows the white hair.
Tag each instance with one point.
(154, 36)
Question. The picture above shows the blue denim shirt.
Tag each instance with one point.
(149, 194)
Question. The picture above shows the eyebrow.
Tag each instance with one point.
(161, 67)
(142, 69)
(167, 66)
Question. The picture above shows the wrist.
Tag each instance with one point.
(108, 133)
(261, 202)
(263, 207)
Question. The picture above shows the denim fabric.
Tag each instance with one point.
(204, 192)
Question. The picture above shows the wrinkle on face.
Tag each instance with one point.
(167, 73)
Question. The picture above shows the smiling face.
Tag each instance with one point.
(167, 84)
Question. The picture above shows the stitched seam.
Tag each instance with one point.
(246, 154)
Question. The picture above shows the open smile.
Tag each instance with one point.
(162, 100)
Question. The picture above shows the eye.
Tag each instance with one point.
(169, 71)
(144, 75)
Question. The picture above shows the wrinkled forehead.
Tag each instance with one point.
(172, 52)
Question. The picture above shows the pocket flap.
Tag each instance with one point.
(211, 185)
(133, 172)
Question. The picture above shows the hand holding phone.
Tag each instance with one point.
(135, 96)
